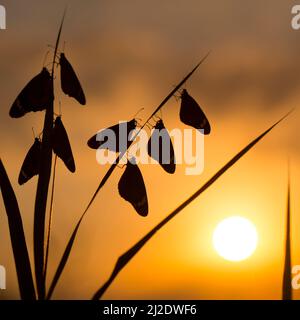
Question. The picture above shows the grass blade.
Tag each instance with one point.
(49, 228)
(42, 189)
(127, 256)
(287, 278)
(17, 237)
(63, 260)
(69, 246)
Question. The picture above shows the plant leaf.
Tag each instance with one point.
(287, 278)
(17, 237)
(42, 189)
(127, 256)
(63, 260)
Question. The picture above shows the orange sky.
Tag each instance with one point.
(128, 56)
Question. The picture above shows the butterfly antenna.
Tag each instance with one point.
(53, 48)
(177, 96)
(138, 113)
(139, 125)
(45, 58)
(33, 132)
(47, 65)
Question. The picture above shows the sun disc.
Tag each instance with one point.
(235, 238)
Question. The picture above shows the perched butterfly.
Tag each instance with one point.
(31, 164)
(132, 188)
(191, 113)
(161, 149)
(69, 81)
(101, 139)
(36, 96)
(61, 145)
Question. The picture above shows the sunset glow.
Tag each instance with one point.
(235, 238)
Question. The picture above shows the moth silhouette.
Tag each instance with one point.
(69, 81)
(36, 95)
(191, 114)
(161, 149)
(31, 164)
(100, 140)
(61, 145)
(132, 188)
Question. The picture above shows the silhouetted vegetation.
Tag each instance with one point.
(38, 95)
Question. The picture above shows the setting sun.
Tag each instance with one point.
(235, 238)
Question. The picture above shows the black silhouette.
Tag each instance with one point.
(69, 81)
(17, 237)
(125, 258)
(132, 188)
(126, 127)
(69, 246)
(31, 164)
(36, 96)
(61, 145)
(287, 290)
(160, 135)
(191, 114)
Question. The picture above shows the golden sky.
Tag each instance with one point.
(128, 55)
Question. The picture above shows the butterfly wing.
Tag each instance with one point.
(157, 144)
(36, 95)
(100, 139)
(69, 81)
(61, 145)
(31, 164)
(94, 142)
(132, 189)
(191, 114)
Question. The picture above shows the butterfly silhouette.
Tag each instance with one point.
(31, 164)
(161, 149)
(191, 114)
(61, 145)
(36, 96)
(100, 140)
(132, 188)
(69, 81)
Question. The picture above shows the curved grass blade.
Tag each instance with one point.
(69, 246)
(42, 188)
(17, 237)
(127, 256)
(287, 278)
(49, 228)
(63, 260)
